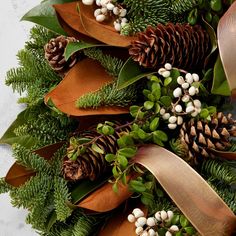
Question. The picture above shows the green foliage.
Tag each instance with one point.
(179, 7)
(4, 187)
(111, 64)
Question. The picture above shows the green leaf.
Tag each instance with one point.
(10, 137)
(161, 135)
(127, 152)
(142, 134)
(204, 113)
(148, 105)
(220, 84)
(130, 73)
(166, 101)
(190, 230)
(74, 47)
(97, 149)
(124, 179)
(110, 157)
(154, 124)
(125, 140)
(175, 220)
(85, 187)
(167, 81)
(83, 140)
(134, 110)
(137, 186)
(147, 199)
(44, 15)
(115, 187)
(122, 160)
(115, 171)
(184, 221)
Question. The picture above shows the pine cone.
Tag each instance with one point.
(91, 165)
(182, 45)
(198, 138)
(54, 51)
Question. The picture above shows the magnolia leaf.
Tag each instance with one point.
(130, 73)
(44, 15)
(220, 84)
(10, 137)
(73, 47)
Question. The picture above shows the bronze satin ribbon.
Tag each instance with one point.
(195, 198)
(226, 33)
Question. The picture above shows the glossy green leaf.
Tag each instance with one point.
(97, 149)
(166, 101)
(134, 110)
(10, 137)
(122, 160)
(130, 73)
(184, 221)
(45, 15)
(148, 105)
(74, 47)
(137, 186)
(220, 84)
(161, 135)
(154, 124)
(127, 152)
(110, 157)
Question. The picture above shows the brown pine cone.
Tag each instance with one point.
(54, 53)
(91, 165)
(181, 45)
(198, 138)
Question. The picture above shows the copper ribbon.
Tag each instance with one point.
(226, 33)
(194, 197)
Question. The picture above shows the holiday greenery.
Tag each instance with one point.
(78, 152)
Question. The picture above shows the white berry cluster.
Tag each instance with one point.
(108, 8)
(184, 93)
(149, 226)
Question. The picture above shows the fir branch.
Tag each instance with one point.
(31, 160)
(179, 7)
(85, 226)
(112, 65)
(109, 95)
(220, 171)
(4, 187)
(61, 196)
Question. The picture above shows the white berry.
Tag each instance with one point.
(123, 12)
(124, 20)
(195, 113)
(131, 218)
(166, 74)
(178, 108)
(185, 85)
(174, 228)
(145, 233)
(189, 78)
(168, 233)
(142, 221)
(162, 111)
(166, 116)
(164, 215)
(139, 230)
(177, 92)
(168, 66)
(173, 119)
(97, 12)
(192, 91)
(138, 213)
(98, 3)
(152, 232)
(104, 2)
(104, 10)
(195, 77)
(137, 224)
(110, 6)
(190, 109)
(189, 104)
(116, 11)
(151, 221)
(185, 98)
(180, 80)
(170, 213)
(117, 26)
(100, 18)
(172, 126)
(161, 71)
(88, 2)
(180, 121)
(197, 103)
(158, 216)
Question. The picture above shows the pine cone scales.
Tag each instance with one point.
(182, 45)
(54, 53)
(197, 138)
(91, 165)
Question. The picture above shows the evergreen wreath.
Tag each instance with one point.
(116, 80)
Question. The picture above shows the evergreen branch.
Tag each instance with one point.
(30, 160)
(179, 7)
(109, 95)
(61, 196)
(85, 226)
(219, 170)
(112, 65)
(4, 187)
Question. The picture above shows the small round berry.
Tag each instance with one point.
(178, 108)
(100, 18)
(173, 119)
(145, 233)
(117, 26)
(152, 232)
(88, 2)
(192, 91)
(170, 213)
(185, 98)
(180, 80)
(164, 215)
(116, 11)
(166, 116)
(97, 12)
(142, 220)
(197, 103)
(110, 6)
(158, 216)
(172, 126)
(185, 85)
(104, 2)
(166, 74)
(137, 224)
(131, 218)
(195, 113)
(195, 77)
(162, 111)
(123, 12)
(189, 104)
(138, 212)
(190, 109)
(104, 10)
(180, 121)
(151, 221)
(98, 3)
(168, 233)
(125, 20)
(168, 66)
(177, 92)
(139, 230)
(161, 71)
(189, 78)
(174, 228)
